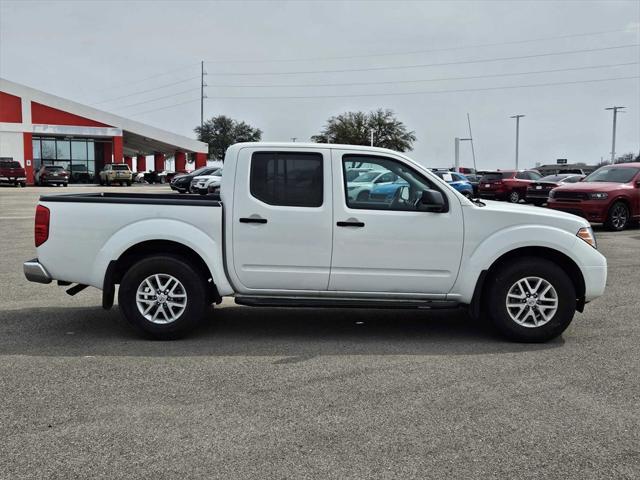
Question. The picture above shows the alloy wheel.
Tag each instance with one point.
(532, 302)
(161, 298)
(619, 216)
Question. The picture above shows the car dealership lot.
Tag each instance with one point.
(306, 393)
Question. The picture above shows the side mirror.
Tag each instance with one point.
(637, 183)
(431, 201)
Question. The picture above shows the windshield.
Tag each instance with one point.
(121, 167)
(56, 167)
(613, 174)
(217, 172)
(366, 177)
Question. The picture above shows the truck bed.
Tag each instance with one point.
(136, 198)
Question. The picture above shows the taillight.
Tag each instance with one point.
(42, 225)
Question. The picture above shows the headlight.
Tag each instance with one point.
(598, 196)
(586, 234)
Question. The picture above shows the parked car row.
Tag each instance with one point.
(610, 195)
(203, 180)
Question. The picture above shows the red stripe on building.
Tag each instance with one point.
(10, 108)
(52, 116)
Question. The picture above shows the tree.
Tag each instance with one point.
(221, 132)
(354, 128)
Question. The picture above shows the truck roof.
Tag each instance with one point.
(333, 146)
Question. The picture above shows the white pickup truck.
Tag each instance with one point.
(284, 232)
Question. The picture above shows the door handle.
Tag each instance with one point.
(350, 224)
(253, 220)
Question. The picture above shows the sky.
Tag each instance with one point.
(559, 63)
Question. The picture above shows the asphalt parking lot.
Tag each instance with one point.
(310, 393)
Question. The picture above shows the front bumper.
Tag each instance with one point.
(595, 281)
(593, 210)
(35, 272)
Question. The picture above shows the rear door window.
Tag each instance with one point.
(293, 179)
(492, 177)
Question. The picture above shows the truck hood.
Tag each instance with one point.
(515, 214)
(591, 187)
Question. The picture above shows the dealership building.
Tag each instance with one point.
(37, 128)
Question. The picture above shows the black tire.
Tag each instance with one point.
(65, 184)
(363, 196)
(107, 182)
(617, 217)
(499, 285)
(514, 196)
(128, 183)
(194, 285)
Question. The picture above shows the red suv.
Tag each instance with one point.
(610, 195)
(506, 184)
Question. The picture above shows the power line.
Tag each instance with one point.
(146, 79)
(159, 98)
(165, 107)
(392, 82)
(416, 52)
(460, 62)
(508, 87)
(147, 90)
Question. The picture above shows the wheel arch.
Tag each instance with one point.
(559, 258)
(117, 268)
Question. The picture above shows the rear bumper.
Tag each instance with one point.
(35, 272)
(491, 195)
(54, 180)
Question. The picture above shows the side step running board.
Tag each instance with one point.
(332, 302)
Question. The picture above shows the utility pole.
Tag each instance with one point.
(371, 132)
(202, 96)
(517, 117)
(293, 139)
(613, 139)
(457, 141)
(473, 150)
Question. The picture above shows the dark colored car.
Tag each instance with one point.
(508, 185)
(538, 192)
(181, 183)
(610, 195)
(80, 173)
(12, 173)
(51, 175)
(474, 180)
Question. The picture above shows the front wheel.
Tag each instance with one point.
(618, 217)
(531, 300)
(164, 296)
(363, 196)
(514, 197)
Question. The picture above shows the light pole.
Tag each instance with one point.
(457, 154)
(517, 117)
(613, 135)
(371, 134)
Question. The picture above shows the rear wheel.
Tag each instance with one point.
(163, 296)
(514, 196)
(618, 217)
(128, 183)
(531, 300)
